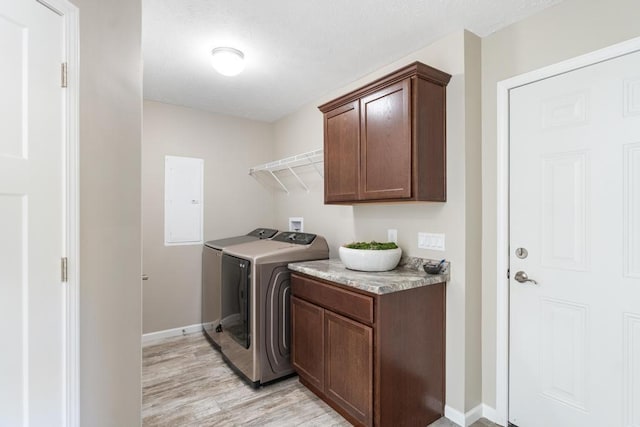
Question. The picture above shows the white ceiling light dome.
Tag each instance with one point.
(227, 61)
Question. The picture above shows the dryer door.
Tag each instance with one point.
(274, 287)
(236, 286)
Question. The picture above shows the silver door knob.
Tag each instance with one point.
(522, 277)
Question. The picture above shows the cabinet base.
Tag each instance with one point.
(329, 402)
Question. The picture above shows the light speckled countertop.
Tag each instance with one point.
(409, 274)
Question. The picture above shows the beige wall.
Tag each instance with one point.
(234, 202)
(110, 290)
(570, 29)
(457, 54)
(473, 221)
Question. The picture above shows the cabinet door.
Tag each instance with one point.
(386, 158)
(342, 153)
(349, 365)
(307, 347)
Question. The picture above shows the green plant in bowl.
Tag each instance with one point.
(370, 256)
(372, 246)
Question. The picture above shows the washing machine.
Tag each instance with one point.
(211, 277)
(255, 314)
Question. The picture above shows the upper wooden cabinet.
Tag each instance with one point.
(341, 162)
(387, 141)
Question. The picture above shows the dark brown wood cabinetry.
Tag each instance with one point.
(349, 365)
(385, 168)
(342, 125)
(376, 359)
(386, 141)
(307, 356)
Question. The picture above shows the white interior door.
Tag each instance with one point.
(32, 220)
(574, 338)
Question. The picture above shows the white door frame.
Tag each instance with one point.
(502, 303)
(71, 50)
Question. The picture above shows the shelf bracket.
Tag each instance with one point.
(279, 182)
(298, 178)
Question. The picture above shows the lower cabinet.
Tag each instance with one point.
(307, 356)
(349, 365)
(334, 355)
(376, 359)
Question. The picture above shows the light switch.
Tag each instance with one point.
(433, 241)
(392, 235)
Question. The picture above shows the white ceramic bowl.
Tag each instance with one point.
(368, 260)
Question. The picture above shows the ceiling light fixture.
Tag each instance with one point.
(227, 61)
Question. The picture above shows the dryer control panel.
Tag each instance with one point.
(295, 237)
(263, 233)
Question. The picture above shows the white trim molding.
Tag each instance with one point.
(72, 20)
(501, 412)
(71, 52)
(153, 337)
(491, 414)
(466, 419)
(454, 415)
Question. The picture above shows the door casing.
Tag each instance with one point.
(71, 48)
(502, 254)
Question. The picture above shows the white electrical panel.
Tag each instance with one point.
(183, 194)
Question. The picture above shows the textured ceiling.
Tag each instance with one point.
(295, 50)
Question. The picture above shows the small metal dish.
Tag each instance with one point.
(433, 268)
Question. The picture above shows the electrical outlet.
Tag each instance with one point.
(392, 235)
(431, 241)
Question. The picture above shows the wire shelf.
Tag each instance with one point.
(310, 158)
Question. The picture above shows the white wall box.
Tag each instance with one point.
(296, 224)
(183, 196)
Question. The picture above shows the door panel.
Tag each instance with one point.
(307, 353)
(564, 211)
(564, 351)
(575, 207)
(349, 365)
(342, 153)
(32, 149)
(631, 373)
(632, 210)
(13, 264)
(13, 42)
(386, 168)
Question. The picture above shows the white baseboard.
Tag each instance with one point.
(492, 415)
(473, 415)
(454, 415)
(152, 337)
(465, 420)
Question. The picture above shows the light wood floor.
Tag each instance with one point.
(185, 382)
